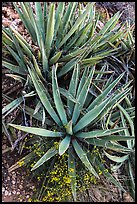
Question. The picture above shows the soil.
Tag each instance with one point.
(15, 185)
(127, 9)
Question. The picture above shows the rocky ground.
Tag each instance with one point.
(15, 185)
(127, 9)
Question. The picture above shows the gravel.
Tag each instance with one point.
(14, 184)
(127, 9)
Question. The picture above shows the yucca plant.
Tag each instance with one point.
(78, 128)
(68, 34)
(126, 118)
(13, 105)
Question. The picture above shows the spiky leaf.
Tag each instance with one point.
(64, 145)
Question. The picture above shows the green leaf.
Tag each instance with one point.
(90, 116)
(127, 116)
(72, 173)
(50, 29)
(64, 145)
(108, 175)
(96, 58)
(45, 9)
(50, 153)
(126, 130)
(55, 58)
(107, 143)
(71, 44)
(67, 95)
(132, 180)
(115, 168)
(42, 93)
(93, 88)
(82, 81)
(83, 157)
(18, 49)
(82, 96)
(40, 19)
(116, 114)
(69, 128)
(26, 20)
(23, 43)
(37, 68)
(118, 138)
(44, 58)
(17, 58)
(11, 106)
(57, 98)
(116, 158)
(94, 25)
(101, 97)
(34, 23)
(109, 81)
(98, 133)
(6, 38)
(72, 55)
(25, 161)
(68, 14)
(83, 36)
(75, 26)
(37, 116)
(44, 118)
(68, 66)
(58, 15)
(37, 131)
(73, 88)
(14, 68)
(16, 77)
(38, 106)
(110, 24)
(117, 98)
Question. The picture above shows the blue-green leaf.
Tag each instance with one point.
(57, 98)
(37, 131)
(64, 145)
(50, 153)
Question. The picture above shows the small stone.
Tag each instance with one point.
(3, 189)
(127, 197)
(27, 196)
(8, 166)
(13, 172)
(8, 178)
(13, 182)
(13, 177)
(6, 193)
(4, 146)
(13, 186)
(9, 193)
(32, 187)
(20, 186)
(18, 193)
(14, 192)
(4, 161)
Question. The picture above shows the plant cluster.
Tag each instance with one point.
(76, 106)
